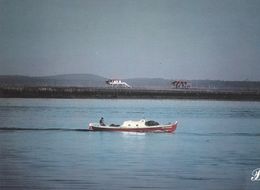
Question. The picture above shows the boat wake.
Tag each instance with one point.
(127, 133)
(39, 129)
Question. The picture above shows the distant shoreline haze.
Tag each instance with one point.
(91, 80)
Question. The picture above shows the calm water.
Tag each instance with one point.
(216, 145)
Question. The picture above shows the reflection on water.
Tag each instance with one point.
(45, 144)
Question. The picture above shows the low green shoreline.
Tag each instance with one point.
(111, 93)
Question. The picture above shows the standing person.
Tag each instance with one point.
(101, 121)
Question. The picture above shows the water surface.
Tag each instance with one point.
(44, 145)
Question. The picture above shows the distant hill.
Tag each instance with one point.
(90, 80)
(77, 80)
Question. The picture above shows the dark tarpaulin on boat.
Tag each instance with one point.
(151, 123)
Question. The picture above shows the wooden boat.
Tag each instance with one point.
(135, 126)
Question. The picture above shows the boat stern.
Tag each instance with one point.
(91, 125)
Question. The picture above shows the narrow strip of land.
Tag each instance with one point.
(111, 93)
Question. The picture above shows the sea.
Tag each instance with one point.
(45, 144)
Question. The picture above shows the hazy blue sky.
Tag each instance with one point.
(175, 39)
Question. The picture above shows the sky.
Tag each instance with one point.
(172, 39)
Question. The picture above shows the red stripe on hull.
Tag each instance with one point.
(169, 129)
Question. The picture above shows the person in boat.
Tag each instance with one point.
(101, 121)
